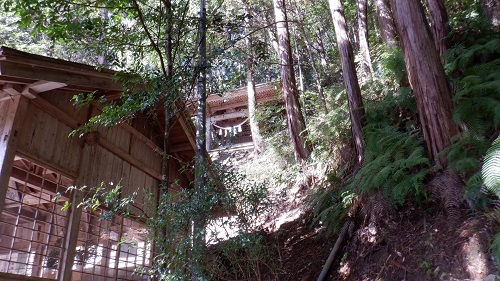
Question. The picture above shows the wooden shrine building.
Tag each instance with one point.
(227, 116)
(41, 240)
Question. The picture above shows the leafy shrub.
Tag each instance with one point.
(227, 195)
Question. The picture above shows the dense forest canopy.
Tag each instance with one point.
(390, 96)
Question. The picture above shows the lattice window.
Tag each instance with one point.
(110, 249)
(32, 224)
(135, 251)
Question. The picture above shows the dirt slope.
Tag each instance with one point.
(417, 242)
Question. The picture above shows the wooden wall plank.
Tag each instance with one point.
(117, 170)
(47, 140)
(126, 170)
(62, 100)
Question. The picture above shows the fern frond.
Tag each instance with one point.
(491, 168)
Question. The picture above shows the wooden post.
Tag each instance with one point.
(12, 113)
(75, 215)
(71, 240)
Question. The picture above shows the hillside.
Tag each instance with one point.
(417, 242)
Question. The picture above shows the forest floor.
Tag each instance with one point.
(414, 242)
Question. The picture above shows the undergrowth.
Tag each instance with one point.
(231, 205)
(474, 70)
(394, 163)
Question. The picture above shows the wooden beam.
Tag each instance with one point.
(127, 157)
(44, 86)
(135, 133)
(4, 96)
(17, 277)
(12, 89)
(181, 147)
(35, 181)
(55, 112)
(188, 128)
(228, 105)
(229, 116)
(25, 154)
(29, 93)
(11, 116)
(142, 138)
(31, 90)
(71, 76)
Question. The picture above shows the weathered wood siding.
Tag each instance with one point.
(45, 138)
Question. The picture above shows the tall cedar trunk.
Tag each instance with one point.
(350, 78)
(254, 126)
(439, 21)
(366, 64)
(386, 22)
(200, 179)
(296, 124)
(426, 76)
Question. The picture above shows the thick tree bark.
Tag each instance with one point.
(439, 23)
(386, 22)
(426, 76)
(366, 64)
(254, 126)
(296, 124)
(350, 78)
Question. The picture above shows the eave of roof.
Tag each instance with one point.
(26, 68)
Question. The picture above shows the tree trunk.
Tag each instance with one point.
(165, 184)
(200, 180)
(491, 9)
(386, 22)
(350, 78)
(296, 124)
(426, 76)
(366, 63)
(254, 126)
(322, 52)
(439, 21)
